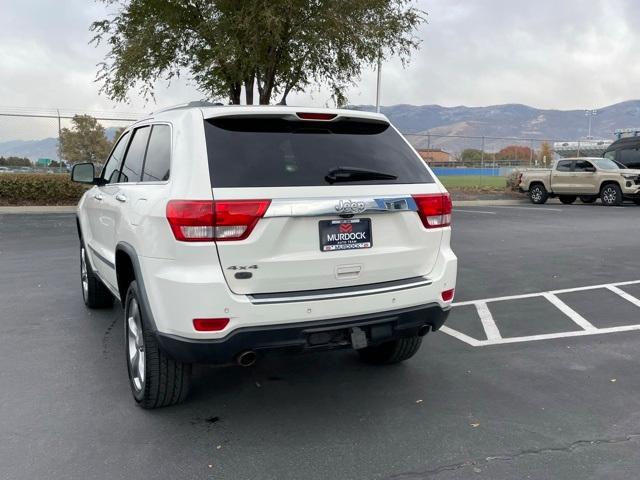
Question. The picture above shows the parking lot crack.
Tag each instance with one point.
(482, 462)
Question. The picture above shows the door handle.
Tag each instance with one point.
(121, 197)
(98, 196)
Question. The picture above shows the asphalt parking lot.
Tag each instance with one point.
(527, 398)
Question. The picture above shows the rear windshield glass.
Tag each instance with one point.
(269, 152)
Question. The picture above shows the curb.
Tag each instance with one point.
(38, 210)
(487, 203)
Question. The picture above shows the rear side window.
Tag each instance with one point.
(629, 157)
(270, 152)
(110, 171)
(583, 165)
(564, 166)
(132, 168)
(157, 162)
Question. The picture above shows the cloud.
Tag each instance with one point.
(550, 54)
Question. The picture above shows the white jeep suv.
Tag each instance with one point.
(227, 231)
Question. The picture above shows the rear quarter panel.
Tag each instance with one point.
(532, 176)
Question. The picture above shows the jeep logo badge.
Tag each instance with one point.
(347, 206)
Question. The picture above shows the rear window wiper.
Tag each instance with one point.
(353, 174)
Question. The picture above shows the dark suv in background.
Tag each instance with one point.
(625, 151)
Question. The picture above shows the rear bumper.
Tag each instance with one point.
(178, 292)
(325, 334)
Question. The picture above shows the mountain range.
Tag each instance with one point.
(429, 126)
(43, 148)
(510, 120)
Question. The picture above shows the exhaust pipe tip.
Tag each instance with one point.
(423, 330)
(246, 359)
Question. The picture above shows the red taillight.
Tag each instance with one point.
(235, 219)
(208, 220)
(191, 220)
(447, 295)
(210, 324)
(434, 209)
(316, 116)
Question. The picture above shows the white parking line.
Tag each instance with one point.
(569, 312)
(550, 336)
(625, 295)
(494, 337)
(488, 323)
(538, 209)
(456, 210)
(555, 292)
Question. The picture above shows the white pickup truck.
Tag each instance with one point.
(586, 178)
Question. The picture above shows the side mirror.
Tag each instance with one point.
(83, 173)
(590, 169)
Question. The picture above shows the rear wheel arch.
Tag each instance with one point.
(538, 182)
(128, 270)
(124, 272)
(78, 227)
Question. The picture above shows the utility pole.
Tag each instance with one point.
(59, 144)
(379, 82)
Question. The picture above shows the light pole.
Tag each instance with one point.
(590, 114)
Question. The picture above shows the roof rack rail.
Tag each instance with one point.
(192, 104)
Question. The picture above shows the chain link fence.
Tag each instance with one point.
(34, 135)
(460, 160)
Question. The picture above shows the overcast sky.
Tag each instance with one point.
(549, 53)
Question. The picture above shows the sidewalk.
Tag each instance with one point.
(72, 208)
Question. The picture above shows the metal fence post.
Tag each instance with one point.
(59, 141)
(531, 152)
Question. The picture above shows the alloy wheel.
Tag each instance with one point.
(84, 274)
(609, 195)
(135, 346)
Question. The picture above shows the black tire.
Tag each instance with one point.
(94, 293)
(636, 201)
(567, 199)
(538, 194)
(164, 380)
(388, 353)
(611, 195)
(588, 198)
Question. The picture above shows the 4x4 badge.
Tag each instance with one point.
(347, 206)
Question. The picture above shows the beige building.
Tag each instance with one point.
(435, 155)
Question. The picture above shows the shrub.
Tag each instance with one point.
(39, 189)
(513, 180)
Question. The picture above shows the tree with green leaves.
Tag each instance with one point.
(12, 161)
(85, 141)
(276, 46)
(471, 155)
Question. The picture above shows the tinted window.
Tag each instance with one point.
(611, 155)
(629, 157)
(156, 165)
(266, 152)
(583, 165)
(564, 166)
(110, 170)
(132, 168)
